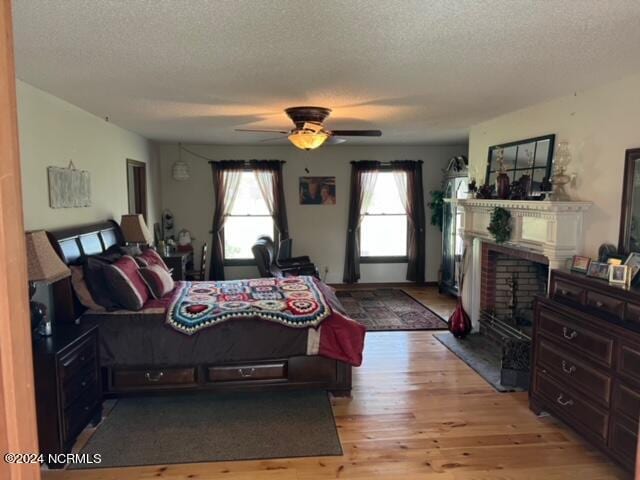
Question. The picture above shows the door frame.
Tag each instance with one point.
(18, 432)
(140, 186)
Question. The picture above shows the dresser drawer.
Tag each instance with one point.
(626, 400)
(568, 291)
(623, 440)
(629, 361)
(234, 373)
(77, 359)
(605, 304)
(77, 415)
(578, 337)
(570, 406)
(86, 379)
(175, 377)
(633, 313)
(574, 372)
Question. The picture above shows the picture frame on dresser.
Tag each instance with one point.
(629, 238)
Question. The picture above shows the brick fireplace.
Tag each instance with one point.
(502, 280)
(510, 280)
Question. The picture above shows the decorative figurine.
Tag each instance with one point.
(502, 180)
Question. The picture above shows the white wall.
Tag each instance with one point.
(317, 231)
(600, 124)
(52, 132)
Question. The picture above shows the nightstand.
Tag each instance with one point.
(177, 262)
(68, 386)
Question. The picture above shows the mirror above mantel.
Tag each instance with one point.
(525, 162)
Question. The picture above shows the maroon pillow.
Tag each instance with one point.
(151, 257)
(158, 280)
(127, 286)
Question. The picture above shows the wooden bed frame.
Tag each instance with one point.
(268, 374)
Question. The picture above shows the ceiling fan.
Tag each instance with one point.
(309, 132)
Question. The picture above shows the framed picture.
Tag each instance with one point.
(633, 262)
(317, 190)
(598, 270)
(619, 274)
(580, 264)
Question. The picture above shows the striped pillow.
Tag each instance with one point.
(151, 257)
(158, 280)
(127, 287)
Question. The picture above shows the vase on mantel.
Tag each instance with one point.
(502, 186)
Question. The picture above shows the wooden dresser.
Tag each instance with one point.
(68, 386)
(586, 360)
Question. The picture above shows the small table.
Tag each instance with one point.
(178, 262)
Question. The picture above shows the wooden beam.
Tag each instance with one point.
(17, 405)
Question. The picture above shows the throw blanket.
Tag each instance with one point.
(293, 301)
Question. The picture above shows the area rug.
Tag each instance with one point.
(383, 309)
(211, 427)
(476, 351)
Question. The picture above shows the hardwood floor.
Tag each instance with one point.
(417, 412)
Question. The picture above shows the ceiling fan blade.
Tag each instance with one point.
(284, 132)
(335, 140)
(357, 133)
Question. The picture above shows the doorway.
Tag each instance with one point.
(137, 187)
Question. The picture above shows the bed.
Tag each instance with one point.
(140, 352)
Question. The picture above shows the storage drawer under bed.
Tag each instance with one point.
(248, 372)
(132, 379)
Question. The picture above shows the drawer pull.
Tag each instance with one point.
(567, 335)
(564, 292)
(564, 403)
(246, 372)
(568, 370)
(153, 378)
(599, 304)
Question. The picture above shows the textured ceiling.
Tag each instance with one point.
(422, 71)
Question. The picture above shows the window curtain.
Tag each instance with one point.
(408, 177)
(269, 176)
(226, 178)
(363, 179)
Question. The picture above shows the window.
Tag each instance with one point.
(383, 231)
(248, 220)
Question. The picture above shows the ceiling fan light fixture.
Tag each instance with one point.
(308, 140)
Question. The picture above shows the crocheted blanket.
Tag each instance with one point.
(293, 301)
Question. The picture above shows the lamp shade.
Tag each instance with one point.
(135, 229)
(43, 263)
(308, 140)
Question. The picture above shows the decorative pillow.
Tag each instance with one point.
(151, 257)
(82, 290)
(94, 276)
(127, 286)
(158, 280)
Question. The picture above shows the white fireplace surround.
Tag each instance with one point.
(552, 229)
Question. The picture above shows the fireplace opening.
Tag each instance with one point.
(511, 279)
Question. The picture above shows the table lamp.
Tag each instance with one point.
(43, 266)
(134, 229)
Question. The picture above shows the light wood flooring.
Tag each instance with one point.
(417, 412)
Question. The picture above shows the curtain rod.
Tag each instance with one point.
(386, 164)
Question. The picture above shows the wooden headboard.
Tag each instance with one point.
(71, 244)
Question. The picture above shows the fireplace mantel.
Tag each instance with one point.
(552, 229)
